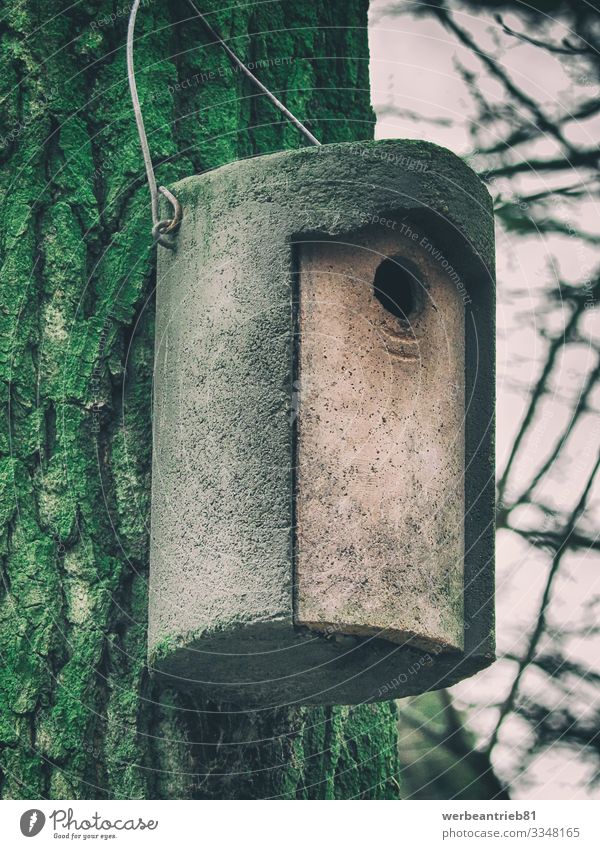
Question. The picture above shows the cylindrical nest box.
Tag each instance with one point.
(323, 473)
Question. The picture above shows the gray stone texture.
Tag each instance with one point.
(223, 604)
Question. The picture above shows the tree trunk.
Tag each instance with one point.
(79, 715)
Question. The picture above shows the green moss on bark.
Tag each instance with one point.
(78, 715)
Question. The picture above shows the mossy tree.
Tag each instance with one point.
(79, 715)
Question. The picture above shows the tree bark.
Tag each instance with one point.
(79, 715)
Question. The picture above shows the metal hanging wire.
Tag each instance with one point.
(163, 228)
(160, 228)
(237, 61)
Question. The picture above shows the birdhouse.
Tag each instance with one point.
(323, 479)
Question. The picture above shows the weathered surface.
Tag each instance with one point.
(78, 715)
(381, 446)
(221, 586)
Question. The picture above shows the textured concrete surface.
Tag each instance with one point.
(380, 484)
(225, 415)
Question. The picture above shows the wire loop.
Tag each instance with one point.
(160, 229)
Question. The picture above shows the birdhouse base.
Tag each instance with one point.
(273, 664)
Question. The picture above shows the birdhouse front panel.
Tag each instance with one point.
(380, 497)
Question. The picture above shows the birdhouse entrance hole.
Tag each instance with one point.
(395, 285)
